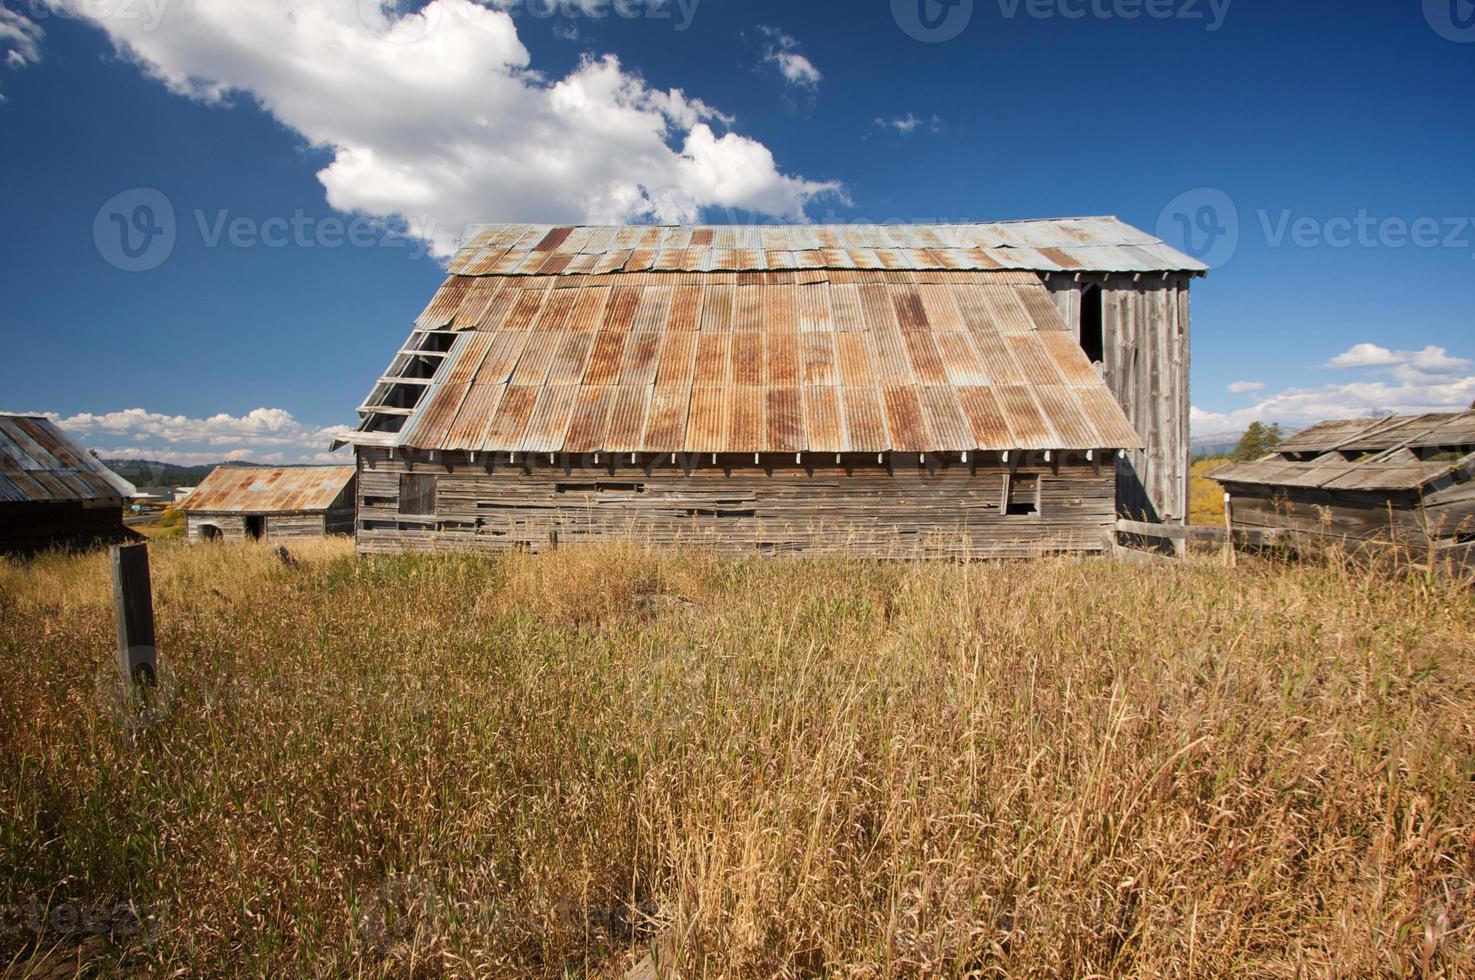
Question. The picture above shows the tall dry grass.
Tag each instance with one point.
(532, 766)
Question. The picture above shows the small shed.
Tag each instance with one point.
(863, 390)
(1408, 480)
(272, 503)
(54, 493)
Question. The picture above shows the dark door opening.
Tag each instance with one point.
(255, 527)
(1093, 331)
(210, 532)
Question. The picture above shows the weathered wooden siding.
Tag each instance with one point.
(28, 526)
(277, 527)
(1146, 333)
(735, 506)
(1403, 517)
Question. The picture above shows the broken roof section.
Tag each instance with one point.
(833, 361)
(39, 463)
(1407, 452)
(269, 490)
(1099, 244)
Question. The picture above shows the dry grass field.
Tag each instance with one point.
(534, 766)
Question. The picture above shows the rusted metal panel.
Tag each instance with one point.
(260, 489)
(910, 315)
(525, 310)
(904, 418)
(857, 362)
(627, 418)
(590, 419)
(747, 358)
(588, 311)
(548, 428)
(537, 357)
(785, 411)
(817, 352)
(41, 463)
(998, 363)
(469, 428)
(678, 358)
(746, 419)
(748, 309)
(437, 411)
(654, 310)
(959, 359)
(510, 421)
(942, 312)
(891, 365)
(823, 420)
(1035, 364)
(781, 358)
(1072, 429)
(1109, 426)
(707, 426)
(554, 314)
(571, 358)
(665, 429)
(925, 358)
(714, 359)
(986, 418)
(605, 358)
(686, 309)
(642, 353)
(1043, 312)
(846, 308)
(1026, 421)
(502, 357)
(865, 422)
(717, 307)
(814, 308)
(947, 429)
(1066, 354)
(1006, 312)
(780, 309)
(619, 314)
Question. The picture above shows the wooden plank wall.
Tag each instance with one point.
(278, 527)
(27, 526)
(1347, 514)
(1146, 327)
(820, 508)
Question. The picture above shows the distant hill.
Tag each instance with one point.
(152, 473)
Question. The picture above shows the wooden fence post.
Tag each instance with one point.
(1229, 556)
(133, 607)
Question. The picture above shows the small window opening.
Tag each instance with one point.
(255, 527)
(417, 494)
(438, 342)
(1093, 334)
(1021, 496)
(211, 533)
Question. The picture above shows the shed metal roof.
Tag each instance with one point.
(268, 490)
(1102, 244)
(1364, 454)
(757, 362)
(40, 463)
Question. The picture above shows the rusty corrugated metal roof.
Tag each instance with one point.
(268, 489)
(1363, 454)
(1103, 244)
(39, 463)
(737, 362)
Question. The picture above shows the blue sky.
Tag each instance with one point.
(318, 158)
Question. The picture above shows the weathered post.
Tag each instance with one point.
(133, 605)
(1229, 556)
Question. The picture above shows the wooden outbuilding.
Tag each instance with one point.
(271, 503)
(54, 493)
(1405, 480)
(878, 390)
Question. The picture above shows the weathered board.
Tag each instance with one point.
(899, 508)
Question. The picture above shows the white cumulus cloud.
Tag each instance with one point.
(1400, 382)
(264, 435)
(438, 118)
(20, 40)
(783, 52)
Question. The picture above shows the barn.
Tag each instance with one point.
(54, 493)
(1407, 480)
(271, 503)
(996, 389)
